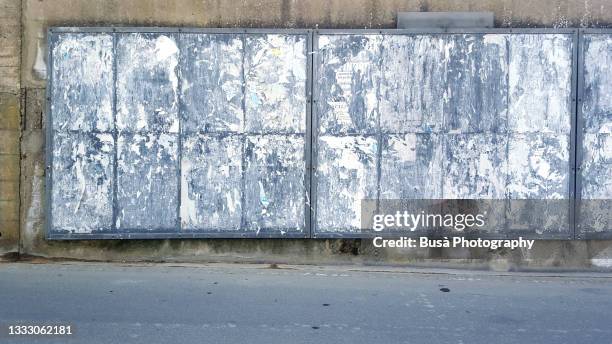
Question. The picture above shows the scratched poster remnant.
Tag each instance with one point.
(453, 112)
(538, 175)
(275, 81)
(348, 78)
(413, 89)
(411, 166)
(274, 182)
(538, 166)
(82, 89)
(597, 166)
(596, 146)
(147, 181)
(477, 84)
(179, 133)
(82, 197)
(211, 175)
(346, 175)
(147, 82)
(596, 173)
(597, 103)
(433, 83)
(212, 95)
(475, 166)
(540, 83)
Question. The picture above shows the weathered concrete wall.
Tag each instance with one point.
(38, 15)
(10, 114)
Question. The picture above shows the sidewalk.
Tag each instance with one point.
(224, 303)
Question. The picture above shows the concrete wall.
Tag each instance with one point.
(27, 87)
(10, 116)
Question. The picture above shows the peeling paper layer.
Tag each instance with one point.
(538, 166)
(597, 166)
(411, 166)
(594, 214)
(82, 194)
(211, 188)
(216, 122)
(82, 89)
(459, 116)
(477, 86)
(147, 181)
(475, 166)
(348, 78)
(212, 93)
(597, 103)
(275, 81)
(596, 147)
(147, 82)
(346, 174)
(413, 90)
(540, 82)
(274, 182)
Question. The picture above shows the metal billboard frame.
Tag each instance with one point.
(311, 133)
(174, 232)
(432, 31)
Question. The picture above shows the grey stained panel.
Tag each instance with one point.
(596, 182)
(347, 83)
(82, 197)
(346, 174)
(540, 83)
(274, 183)
(275, 82)
(595, 148)
(147, 181)
(413, 88)
(434, 83)
(538, 177)
(477, 87)
(475, 166)
(411, 166)
(82, 91)
(538, 166)
(211, 182)
(212, 83)
(597, 103)
(597, 166)
(147, 82)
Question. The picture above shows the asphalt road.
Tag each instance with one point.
(111, 303)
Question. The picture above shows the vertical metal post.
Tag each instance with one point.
(115, 136)
(179, 140)
(578, 135)
(49, 136)
(308, 137)
(314, 132)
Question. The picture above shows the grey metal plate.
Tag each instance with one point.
(422, 20)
